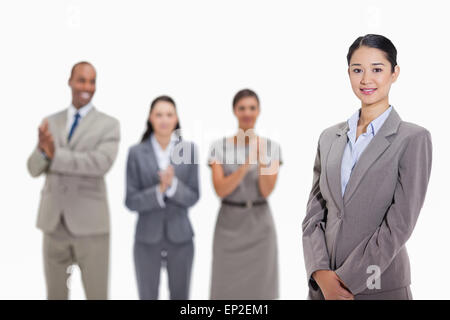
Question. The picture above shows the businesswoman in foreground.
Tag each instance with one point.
(244, 172)
(162, 183)
(370, 178)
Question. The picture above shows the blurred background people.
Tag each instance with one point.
(245, 258)
(162, 184)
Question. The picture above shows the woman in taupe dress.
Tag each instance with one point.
(244, 171)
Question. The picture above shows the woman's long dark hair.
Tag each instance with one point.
(149, 130)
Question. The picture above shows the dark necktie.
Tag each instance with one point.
(74, 125)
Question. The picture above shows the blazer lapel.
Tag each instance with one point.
(180, 153)
(334, 160)
(150, 159)
(60, 134)
(85, 123)
(372, 152)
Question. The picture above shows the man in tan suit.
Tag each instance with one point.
(76, 148)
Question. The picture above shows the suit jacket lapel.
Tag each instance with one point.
(82, 127)
(150, 159)
(179, 153)
(60, 132)
(333, 164)
(372, 152)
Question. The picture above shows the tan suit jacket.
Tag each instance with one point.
(75, 185)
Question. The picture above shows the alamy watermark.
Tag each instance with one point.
(374, 280)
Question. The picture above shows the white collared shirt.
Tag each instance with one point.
(355, 147)
(163, 159)
(83, 111)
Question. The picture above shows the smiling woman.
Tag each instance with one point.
(350, 231)
(373, 69)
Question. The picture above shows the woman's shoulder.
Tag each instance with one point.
(333, 130)
(137, 148)
(412, 134)
(220, 142)
(411, 129)
(187, 143)
(269, 142)
(216, 150)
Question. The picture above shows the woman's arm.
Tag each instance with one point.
(315, 249)
(187, 193)
(139, 198)
(224, 185)
(314, 245)
(267, 177)
(267, 168)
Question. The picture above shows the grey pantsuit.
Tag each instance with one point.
(163, 234)
(73, 211)
(245, 254)
(177, 258)
(91, 253)
(367, 228)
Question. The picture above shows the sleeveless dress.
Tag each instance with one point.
(245, 257)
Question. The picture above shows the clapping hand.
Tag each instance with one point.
(165, 178)
(46, 143)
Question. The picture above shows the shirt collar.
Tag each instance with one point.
(83, 111)
(373, 127)
(378, 122)
(158, 147)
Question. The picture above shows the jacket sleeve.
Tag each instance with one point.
(381, 247)
(314, 245)
(138, 198)
(37, 163)
(188, 192)
(92, 163)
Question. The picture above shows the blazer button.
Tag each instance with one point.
(64, 189)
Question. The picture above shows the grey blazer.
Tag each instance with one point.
(74, 184)
(142, 180)
(370, 225)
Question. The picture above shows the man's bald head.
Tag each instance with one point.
(78, 64)
(82, 83)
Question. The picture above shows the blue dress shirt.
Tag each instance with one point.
(355, 148)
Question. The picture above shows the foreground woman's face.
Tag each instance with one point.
(371, 75)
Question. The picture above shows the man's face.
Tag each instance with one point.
(82, 84)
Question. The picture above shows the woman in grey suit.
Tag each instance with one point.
(370, 179)
(162, 183)
(244, 173)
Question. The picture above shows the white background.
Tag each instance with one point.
(292, 53)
